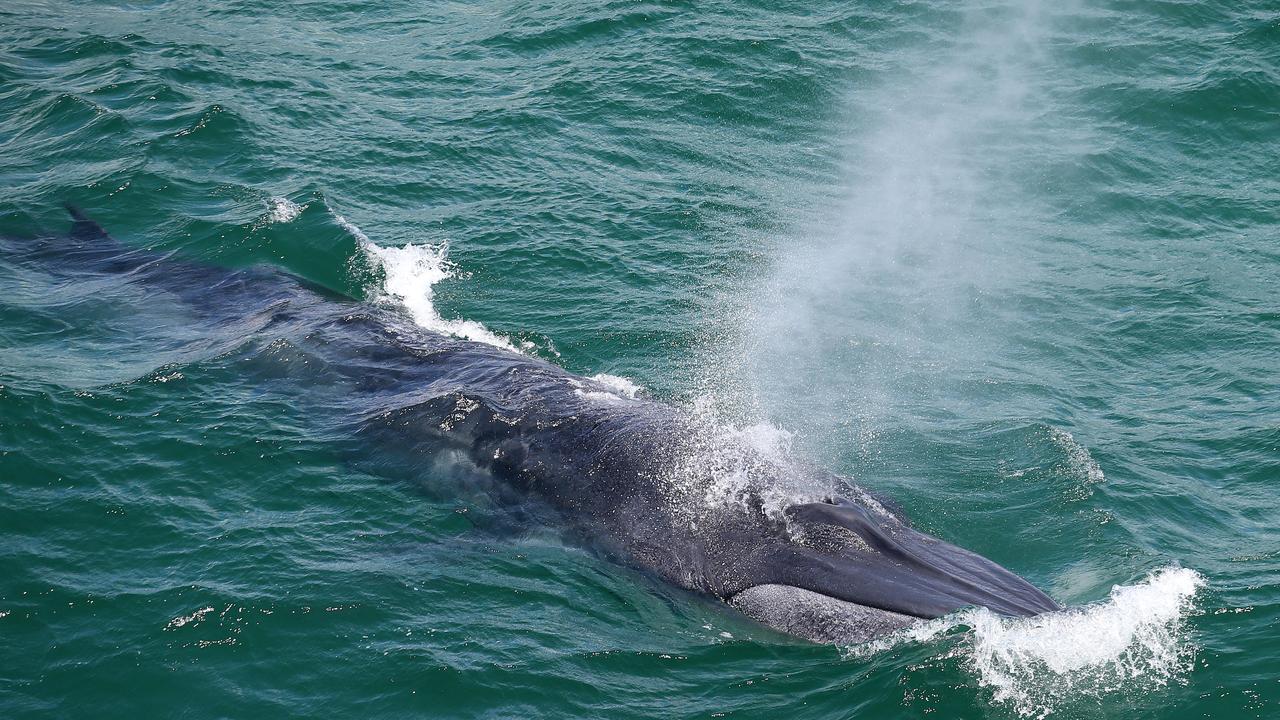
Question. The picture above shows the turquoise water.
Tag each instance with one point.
(1014, 265)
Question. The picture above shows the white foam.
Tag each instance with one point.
(194, 617)
(617, 390)
(409, 276)
(283, 210)
(1132, 642)
(619, 385)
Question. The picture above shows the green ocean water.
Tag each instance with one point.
(1016, 265)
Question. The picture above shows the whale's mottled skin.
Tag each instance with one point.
(621, 473)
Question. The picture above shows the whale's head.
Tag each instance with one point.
(849, 570)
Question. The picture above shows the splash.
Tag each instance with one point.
(282, 210)
(1079, 463)
(409, 277)
(195, 617)
(1134, 641)
(619, 385)
(750, 464)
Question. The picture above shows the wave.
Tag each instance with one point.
(409, 277)
(1132, 642)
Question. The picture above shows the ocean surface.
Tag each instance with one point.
(1016, 265)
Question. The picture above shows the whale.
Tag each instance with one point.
(641, 482)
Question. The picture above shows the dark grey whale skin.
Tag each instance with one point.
(843, 568)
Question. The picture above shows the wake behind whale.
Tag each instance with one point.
(641, 482)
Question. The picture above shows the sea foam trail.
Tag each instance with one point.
(409, 276)
(1133, 641)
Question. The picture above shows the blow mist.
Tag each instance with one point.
(874, 318)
